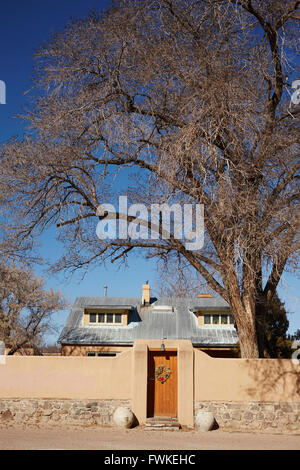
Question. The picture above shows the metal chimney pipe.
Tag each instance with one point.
(105, 291)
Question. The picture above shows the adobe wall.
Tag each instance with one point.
(242, 380)
(242, 393)
(249, 394)
(67, 377)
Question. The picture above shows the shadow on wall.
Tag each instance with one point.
(264, 380)
(274, 379)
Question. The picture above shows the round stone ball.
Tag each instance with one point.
(123, 417)
(204, 421)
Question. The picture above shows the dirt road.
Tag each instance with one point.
(92, 438)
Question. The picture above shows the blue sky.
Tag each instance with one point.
(23, 27)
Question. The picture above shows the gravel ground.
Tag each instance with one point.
(94, 438)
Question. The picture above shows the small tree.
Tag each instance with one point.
(296, 335)
(278, 343)
(51, 348)
(26, 308)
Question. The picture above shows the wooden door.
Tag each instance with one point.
(162, 396)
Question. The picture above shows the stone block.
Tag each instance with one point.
(92, 404)
(66, 405)
(46, 405)
(286, 407)
(236, 415)
(55, 416)
(248, 416)
(6, 415)
(270, 416)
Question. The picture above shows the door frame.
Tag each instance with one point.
(151, 386)
(185, 363)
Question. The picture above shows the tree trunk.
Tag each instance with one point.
(243, 311)
(246, 329)
(16, 348)
(248, 343)
(260, 320)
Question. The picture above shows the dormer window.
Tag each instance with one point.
(107, 318)
(224, 319)
(214, 319)
(93, 318)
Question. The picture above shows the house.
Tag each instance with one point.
(107, 326)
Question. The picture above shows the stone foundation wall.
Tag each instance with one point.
(254, 416)
(60, 411)
(244, 416)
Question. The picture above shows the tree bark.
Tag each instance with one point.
(243, 310)
(260, 320)
(247, 335)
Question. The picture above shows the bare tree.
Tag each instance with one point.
(26, 309)
(193, 99)
(51, 348)
(179, 279)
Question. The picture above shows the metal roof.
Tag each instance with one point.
(149, 323)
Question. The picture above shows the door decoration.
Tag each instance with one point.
(162, 373)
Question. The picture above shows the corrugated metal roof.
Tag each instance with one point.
(148, 323)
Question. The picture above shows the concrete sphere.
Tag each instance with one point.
(123, 417)
(204, 421)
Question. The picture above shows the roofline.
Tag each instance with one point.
(90, 343)
(130, 343)
(116, 307)
(213, 309)
(219, 345)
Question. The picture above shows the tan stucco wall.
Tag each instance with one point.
(77, 350)
(262, 380)
(67, 377)
(200, 378)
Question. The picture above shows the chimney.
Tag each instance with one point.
(146, 294)
(204, 296)
(105, 291)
